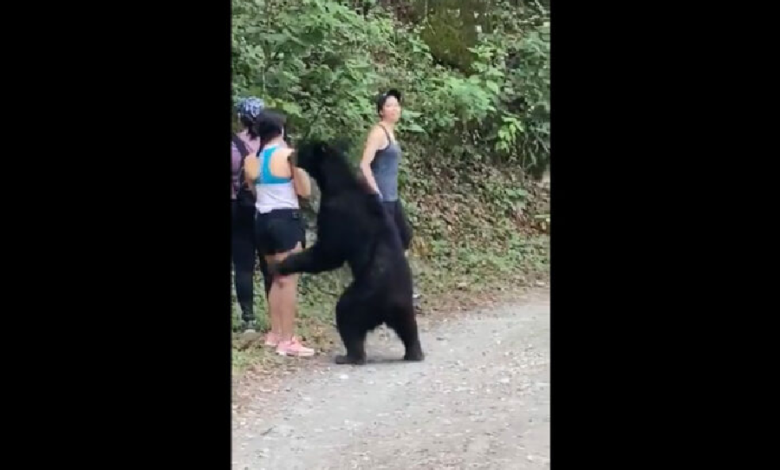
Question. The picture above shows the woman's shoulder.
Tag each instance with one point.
(272, 150)
(278, 161)
(379, 129)
(378, 134)
(281, 153)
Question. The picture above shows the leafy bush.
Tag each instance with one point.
(323, 61)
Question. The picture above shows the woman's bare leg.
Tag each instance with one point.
(288, 303)
(289, 306)
(287, 292)
(274, 310)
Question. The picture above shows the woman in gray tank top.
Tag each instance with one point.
(381, 158)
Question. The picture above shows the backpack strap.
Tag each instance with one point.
(244, 190)
(241, 146)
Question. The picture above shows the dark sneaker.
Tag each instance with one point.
(249, 327)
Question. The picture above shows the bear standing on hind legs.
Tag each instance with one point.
(353, 227)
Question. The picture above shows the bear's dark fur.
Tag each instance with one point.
(353, 227)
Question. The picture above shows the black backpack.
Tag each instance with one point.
(244, 196)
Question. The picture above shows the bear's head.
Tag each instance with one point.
(326, 162)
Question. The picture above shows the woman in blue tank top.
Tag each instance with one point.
(279, 228)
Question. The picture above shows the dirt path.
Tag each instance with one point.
(480, 400)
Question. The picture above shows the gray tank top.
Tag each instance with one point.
(385, 169)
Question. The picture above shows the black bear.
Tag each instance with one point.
(353, 227)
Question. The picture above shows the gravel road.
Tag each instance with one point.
(480, 400)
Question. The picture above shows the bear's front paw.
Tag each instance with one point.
(273, 269)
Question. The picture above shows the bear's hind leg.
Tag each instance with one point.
(353, 334)
(404, 323)
(354, 342)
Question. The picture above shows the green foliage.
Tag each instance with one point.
(450, 28)
(322, 62)
(515, 56)
(311, 59)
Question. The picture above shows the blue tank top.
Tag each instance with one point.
(273, 192)
(385, 168)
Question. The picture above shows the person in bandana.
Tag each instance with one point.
(242, 209)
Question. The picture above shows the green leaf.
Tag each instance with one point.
(292, 109)
(411, 127)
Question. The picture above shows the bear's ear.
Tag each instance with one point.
(309, 148)
(342, 145)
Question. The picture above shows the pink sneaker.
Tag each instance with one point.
(271, 339)
(294, 348)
